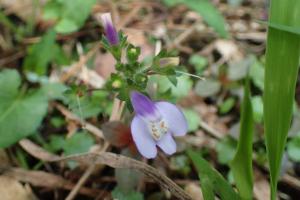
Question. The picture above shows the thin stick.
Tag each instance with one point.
(115, 115)
(192, 75)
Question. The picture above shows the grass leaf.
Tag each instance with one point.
(211, 180)
(282, 59)
(241, 165)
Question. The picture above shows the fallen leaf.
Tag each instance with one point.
(194, 190)
(11, 189)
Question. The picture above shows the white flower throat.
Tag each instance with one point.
(158, 128)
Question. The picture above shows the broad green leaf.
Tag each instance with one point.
(207, 87)
(20, 113)
(193, 119)
(282, 61)
(211, 180)
(52, 10)
(241, 165)
(132, 195)
(66, 26)
(293, 149)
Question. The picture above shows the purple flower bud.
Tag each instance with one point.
(109, 29)
(155, 124)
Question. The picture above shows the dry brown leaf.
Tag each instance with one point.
(23, 8)
(194, 190)
(229, 50)
(44, 179)
(4, 160)
(261, 186)
(11, 189)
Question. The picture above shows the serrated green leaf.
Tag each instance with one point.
(241, 165)
(20, 114)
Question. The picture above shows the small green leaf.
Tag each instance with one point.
(241, 165)
(20, 114)
(193, 119)
(207, 88)
(199, 63)
(132, 195)
(258, 108)
(238, 70)
(211, 180)
(125, 184)
(57, 142)
(293, 148)
(226, 150)
(181, 164)
(80, 142)
(227, 105)
(183, 86)
(257, 74)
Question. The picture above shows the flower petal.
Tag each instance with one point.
(143, 106)
(177, 123)
(110, 30)
(167, 144)
(142, 138)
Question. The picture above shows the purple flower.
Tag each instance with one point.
(109, 29)
(155, 124)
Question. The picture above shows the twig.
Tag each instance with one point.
(115, 115)
(115, 161)
(45, 179)
(77, 66)
(71, 116)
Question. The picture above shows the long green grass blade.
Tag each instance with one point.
(282, 59)
(241, 165)
(211, 180)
